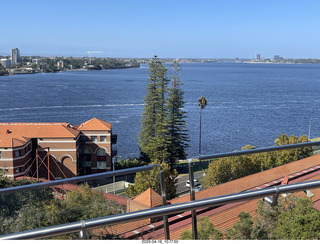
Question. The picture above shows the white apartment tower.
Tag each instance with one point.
(15, 55)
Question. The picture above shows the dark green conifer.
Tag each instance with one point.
(152, 138)
(177, 134)
(162, 137)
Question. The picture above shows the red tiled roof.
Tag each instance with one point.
(17, 134)
(20, 131)
(149, 198)
(9, 140)
(226, 216)
(250, 181)
(95, 124)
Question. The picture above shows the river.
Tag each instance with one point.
(247, 103)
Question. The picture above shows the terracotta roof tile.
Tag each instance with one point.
(149, 198)
(9, 140)
(95, 124)
(37, 130)
(227, 215)
(250, 181)
(226, 218)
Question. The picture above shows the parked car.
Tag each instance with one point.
(196, 183)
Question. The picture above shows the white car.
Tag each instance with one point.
(195, 183)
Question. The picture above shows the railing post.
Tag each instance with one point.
(84, 235)
(164, 202)
(275, 197)
(37, 163)
(192, 198)
(48, 160)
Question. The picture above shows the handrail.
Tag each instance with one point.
(232, 154)
(257, 150)
(72, 227)
(160, 211)
(76, 179)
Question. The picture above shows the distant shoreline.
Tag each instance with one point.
(68, 70)
(81, 69)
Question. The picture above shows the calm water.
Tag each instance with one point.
(247, 103)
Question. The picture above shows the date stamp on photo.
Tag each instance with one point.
(160, 241)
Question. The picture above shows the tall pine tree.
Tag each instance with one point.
(162, 137)
(152, 138)
(177, 134)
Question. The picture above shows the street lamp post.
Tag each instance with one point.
(113, 169)
(310, 127)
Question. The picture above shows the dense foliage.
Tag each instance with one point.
(3, 70)
(81, 204)
(12, 204)
(38, 208)
(151, 179)
(292, 219)
(162, 137)
(129, 163)
(206, 231)
(230, 168)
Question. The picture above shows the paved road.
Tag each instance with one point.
(181, 188)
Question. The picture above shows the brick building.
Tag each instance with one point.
(55, 150)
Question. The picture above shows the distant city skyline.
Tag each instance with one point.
(169, 29)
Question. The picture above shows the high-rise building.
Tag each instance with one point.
(15, 55)
(6, 63)
(277, 58)
(60, 64)
(258, 57)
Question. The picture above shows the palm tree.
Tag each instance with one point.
(202, 103)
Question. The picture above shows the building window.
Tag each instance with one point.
(84, 138)
(93, 138)
(16, 153)
(101, 165)
(101, 152)
(86, 151)
(0, 154)
(86, 164)
(103, 138)
(86, 161)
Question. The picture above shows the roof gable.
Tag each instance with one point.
(12, 140)
(95, 124)
(149, 198)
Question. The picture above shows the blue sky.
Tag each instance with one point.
(167, 28)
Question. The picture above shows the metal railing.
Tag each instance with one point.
(232, 154)
(86, 178)
(83, 226)
(76, 179)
